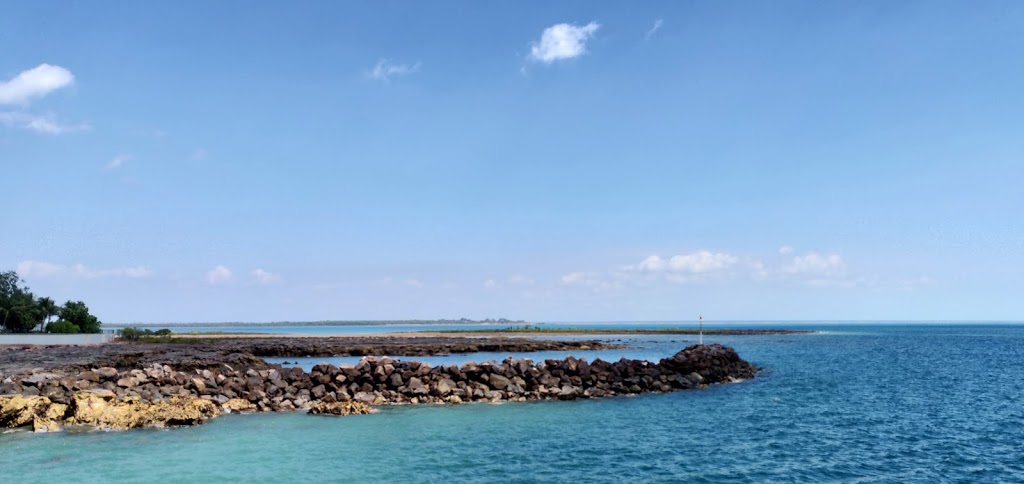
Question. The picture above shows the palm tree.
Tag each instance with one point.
(49, 310)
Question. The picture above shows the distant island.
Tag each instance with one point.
(465, 321)
(528, 329)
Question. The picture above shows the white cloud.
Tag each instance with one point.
(31, 84)
(580, 279)
(562, 41)
(520, 280)
(651, 264)
(655, 28)
(31, 268)
(592, 280)
(490, 284)
(41, 124)
(260, 276)
(219, 275)
(199, 154)
(785, 250)
(816, 264)
(758, 271)
(574, 278)
(118, 160)
(385, 70)
(411, 282)
(34, 83)
(700, 262)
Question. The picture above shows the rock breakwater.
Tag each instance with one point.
(159, 395)
(210, 352)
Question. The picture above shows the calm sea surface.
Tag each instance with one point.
(885, 403)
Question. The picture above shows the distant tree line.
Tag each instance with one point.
(22, 312)
(138, 334)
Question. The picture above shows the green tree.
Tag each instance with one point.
(18, 307)
(48, 308)
(62, 327)
(77, 313)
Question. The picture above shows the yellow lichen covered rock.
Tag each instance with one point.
(20, 410)
(350, 407)
(51, 419)
(103, 411)
(90, 406)
(238, 405)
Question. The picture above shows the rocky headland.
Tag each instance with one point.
(146, 392)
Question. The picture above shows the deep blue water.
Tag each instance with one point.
(875, 403)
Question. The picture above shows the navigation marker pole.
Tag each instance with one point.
(701, 329)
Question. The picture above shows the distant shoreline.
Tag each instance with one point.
(453, 322)
(613, 331)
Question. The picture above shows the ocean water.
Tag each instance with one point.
(855, 403)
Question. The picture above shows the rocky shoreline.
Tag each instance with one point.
(159, 395)
(244, 353)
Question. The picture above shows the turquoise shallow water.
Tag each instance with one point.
(859, 403)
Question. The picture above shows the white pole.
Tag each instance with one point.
(701, 330)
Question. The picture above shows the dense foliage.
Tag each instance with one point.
(77, 313)
(136, 334)
(62, 327)
(21, 311)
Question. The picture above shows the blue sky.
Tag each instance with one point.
(574, 161)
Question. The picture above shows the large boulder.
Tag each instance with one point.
(498, 382)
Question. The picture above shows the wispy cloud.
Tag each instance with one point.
(654, 28)
(593, 281)
(513, 280)
(199, 154)
(520, 280)
(117, 161)
(562, 41)
(47, 124)
(32, 268)
(816, 264)
(580, 279)
(413, 282)
(219, 275)
(260, 276)
(34, 83)
(385, 70)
